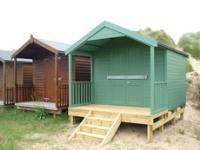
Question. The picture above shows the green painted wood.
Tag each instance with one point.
(105, 33)
(81, 92)
(160, 84)
(70, 78)
(160, 68)
(128, 33)
(122, 57)
(165, 69)
(176, 86)
(160, 97)
(152, 69)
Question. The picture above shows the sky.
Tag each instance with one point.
(68, 20)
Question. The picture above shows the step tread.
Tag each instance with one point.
(91, 135)
(100, 118)
(95, 126)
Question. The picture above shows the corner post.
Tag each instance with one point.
(56, 79)
(70, 77)
(15, 80)
(152, 61)
(152, 70)
(4, 84)
(91, 78)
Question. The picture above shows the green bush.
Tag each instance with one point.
(159, 35)
(188, 67)
(190, 42)
(41, 114)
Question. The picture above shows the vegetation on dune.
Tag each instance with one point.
(188, 67)
(15, 125)
(190, 42)
(159, 35)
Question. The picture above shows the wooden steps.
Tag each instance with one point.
(98, 126)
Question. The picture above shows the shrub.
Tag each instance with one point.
(41, 114)
(188, 67)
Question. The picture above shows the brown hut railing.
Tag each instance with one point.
(24, 93)
(9, 96)
(62, 96)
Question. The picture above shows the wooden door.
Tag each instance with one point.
(49, 78)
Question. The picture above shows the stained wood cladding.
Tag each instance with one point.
(82, 68)
(43, 82)
(24, 77)
(44, 75)
(1, 81)
(27, 74)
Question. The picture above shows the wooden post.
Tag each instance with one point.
(15, 80)
(149, 132)
(70, 78)
(182, 116)
(152, 78)
(56, 79)
(162, 127)
(72, 120)
(4, 84)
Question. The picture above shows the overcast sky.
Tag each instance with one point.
(68, 20)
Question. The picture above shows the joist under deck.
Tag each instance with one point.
(102, 121)
(50, 107)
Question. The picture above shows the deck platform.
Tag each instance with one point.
(138, 115)
(32, 105)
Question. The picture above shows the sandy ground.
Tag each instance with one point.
(184, 135)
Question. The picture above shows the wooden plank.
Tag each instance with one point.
(149, 133)
(4, 84)
(56, 78)
(112, 130)
(70, 78)
(72, 120)
(89, 136)
(15, 79)
(78, 128)
(169, 116)
(152, 71)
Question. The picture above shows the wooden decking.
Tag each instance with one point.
(97, 117)
(33, 105)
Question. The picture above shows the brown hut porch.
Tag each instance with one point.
(34, 105)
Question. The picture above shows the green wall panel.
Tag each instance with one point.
(176, 86)
(160, 64)
(121, 57)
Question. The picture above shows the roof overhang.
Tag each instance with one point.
(117, 32)
(174, 50)
(2, 60)
(33, 40)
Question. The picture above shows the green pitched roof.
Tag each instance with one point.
(117, 31)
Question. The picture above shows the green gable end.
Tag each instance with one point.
(105, 33)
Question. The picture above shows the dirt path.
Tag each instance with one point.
(184, 135)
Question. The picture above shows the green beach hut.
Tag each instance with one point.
(133, 79)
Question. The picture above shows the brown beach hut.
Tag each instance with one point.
(23, 80)
(50, 74)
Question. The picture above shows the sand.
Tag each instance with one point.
(184, 135)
